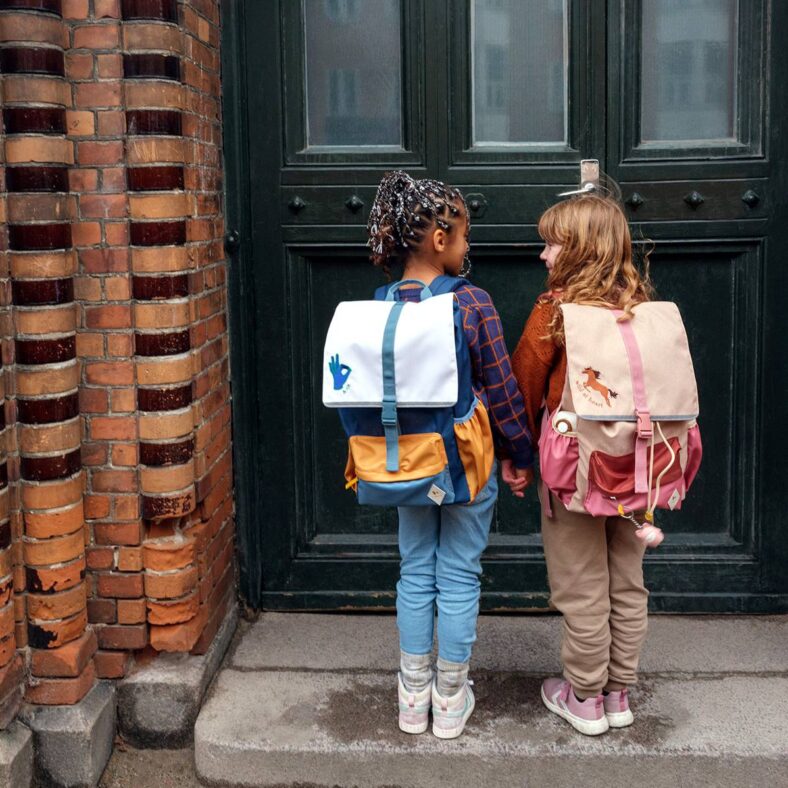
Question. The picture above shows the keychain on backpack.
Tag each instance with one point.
(652, 535)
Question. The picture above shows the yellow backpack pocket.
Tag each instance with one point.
(475, 446)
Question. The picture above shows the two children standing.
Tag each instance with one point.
(593, 553)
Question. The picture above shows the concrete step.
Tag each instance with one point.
(311, 700)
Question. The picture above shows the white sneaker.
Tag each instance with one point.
(449, 715)
(414, 708)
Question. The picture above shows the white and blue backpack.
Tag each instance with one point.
(400, 374)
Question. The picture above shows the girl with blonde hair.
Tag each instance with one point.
(594, 564)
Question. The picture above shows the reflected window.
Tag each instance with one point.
(353, 68)
(688, 70)
(520, 56)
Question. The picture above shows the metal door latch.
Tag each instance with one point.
(589, 178)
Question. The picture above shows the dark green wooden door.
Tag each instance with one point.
(680, 101)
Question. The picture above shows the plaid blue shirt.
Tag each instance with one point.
(493, 380)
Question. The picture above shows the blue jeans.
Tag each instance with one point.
(440, 563)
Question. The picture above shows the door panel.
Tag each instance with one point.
(306, 149)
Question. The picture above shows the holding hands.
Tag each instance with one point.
(517, 478)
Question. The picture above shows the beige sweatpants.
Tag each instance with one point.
(595, 569)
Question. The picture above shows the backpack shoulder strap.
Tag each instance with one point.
(380, 293)
(447, 284)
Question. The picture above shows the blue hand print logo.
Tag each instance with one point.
(341, 372)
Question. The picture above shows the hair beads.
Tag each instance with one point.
(405, 209)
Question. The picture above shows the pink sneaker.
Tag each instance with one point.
(586, 716)
(617, 709)
(414, 708)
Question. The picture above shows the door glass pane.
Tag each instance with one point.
(520, 56)
(353, 73)
(688, 70)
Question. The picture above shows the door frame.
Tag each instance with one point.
(257, 450)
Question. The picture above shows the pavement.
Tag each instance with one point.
(309, 700)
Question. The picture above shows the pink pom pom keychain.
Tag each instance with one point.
(648, 532)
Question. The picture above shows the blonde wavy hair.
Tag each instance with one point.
(595, 265)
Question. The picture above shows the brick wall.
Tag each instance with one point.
(116, 513)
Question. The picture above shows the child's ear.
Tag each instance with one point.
(439, 240)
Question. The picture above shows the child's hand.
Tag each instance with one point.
(517, 478)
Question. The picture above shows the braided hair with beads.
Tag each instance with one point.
(404, 211)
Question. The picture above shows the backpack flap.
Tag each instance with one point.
(425, 362)
(598, 367)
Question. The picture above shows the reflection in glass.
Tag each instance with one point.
(688, 75)
(353, 72)
(520, 57)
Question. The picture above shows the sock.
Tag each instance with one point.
(582, 700)
(416, 671)
(451, 677)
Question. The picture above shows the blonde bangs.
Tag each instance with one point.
(550, 227)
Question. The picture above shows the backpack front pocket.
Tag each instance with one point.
(473, 436)
(611, 481)
(423, 477)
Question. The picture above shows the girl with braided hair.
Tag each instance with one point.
(422, 226)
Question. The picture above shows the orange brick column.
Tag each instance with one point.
(163, 311)
(212, 524)
(106, 342)
(48, 432)
(11, 672)
(116, 512)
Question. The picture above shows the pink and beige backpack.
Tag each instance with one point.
(625, 438)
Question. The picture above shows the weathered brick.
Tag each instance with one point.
(68, 661)
(116, 533)
(80, 123)
(114, 481)
(102, 206)
(99, 558)
(111, 123)
(170, 585)
(109, 66)
(42, 525)
(174, 611)
(53, 551)
(58, 578)
(130, 559)
(128, 636)
(75, 9)
(168, 555)
(120, 345)
(52, 634)
(56, 606)
(112, 664)
(178, 637)
(96, 506)
(51, 495)
(92, 153)
(132, 611)
(119, 585)
(83, 180)
(113, 428)
(106, 9)
(61, 691)
(97, 36)
(125, 454)
(102, 611)
(114, 373)
(79, 65)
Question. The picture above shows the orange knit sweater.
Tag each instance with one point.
(539, 364)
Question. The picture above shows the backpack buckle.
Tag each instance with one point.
(645, 430)
(388, 415)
